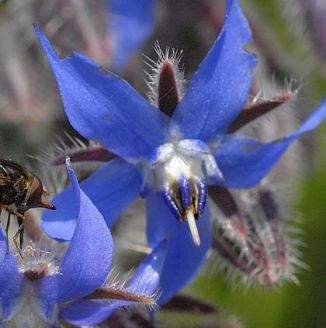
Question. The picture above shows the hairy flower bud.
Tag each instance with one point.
(255, 244)
(165, 80)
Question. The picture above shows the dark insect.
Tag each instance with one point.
(20, 190)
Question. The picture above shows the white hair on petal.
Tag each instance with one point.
(52, 160)
(119, 284)
(173, 57)
(38, 256)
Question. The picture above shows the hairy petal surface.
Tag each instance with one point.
(244, 161)
(10, 278)
(103, 107)
(183, 259)
(220, 87)
(87, 261)
(145, 281)
(130, 24)
(112, 189)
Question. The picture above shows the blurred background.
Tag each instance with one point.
(290, 42)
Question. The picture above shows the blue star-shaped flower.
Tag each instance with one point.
(40, 289)
(170, 161)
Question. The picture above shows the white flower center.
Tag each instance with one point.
(180, 171)
(184, 159)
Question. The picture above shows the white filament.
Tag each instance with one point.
(193, 227)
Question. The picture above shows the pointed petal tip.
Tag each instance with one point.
(38, 31)
(71, 174)
(69, 168)
(46, 45)
(68, 163)
(36, 27)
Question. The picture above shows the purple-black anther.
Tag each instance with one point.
(168, 198)
(185, 193)
(202, 196)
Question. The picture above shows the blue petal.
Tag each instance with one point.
(10, 279)
(219, 89)
(112, 189)
(144, 281)
(147, 276)
(103, 107)
(87, 313)
(244, 161)
(130, 24)
(183, 259)
(87, 261)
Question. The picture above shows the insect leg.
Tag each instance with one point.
(21, 227)
(8, 224)
(16, 235)
(20, 231)
(9, 210)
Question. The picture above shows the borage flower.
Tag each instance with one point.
(169, 156)
(42, 288)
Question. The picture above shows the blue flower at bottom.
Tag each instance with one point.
(40, 287)
(169, 161)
